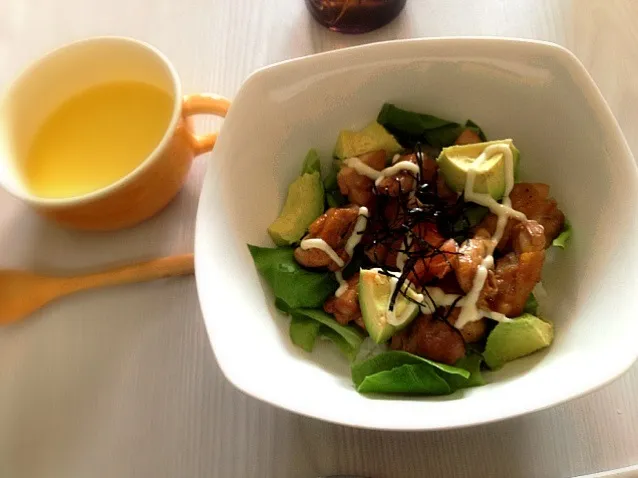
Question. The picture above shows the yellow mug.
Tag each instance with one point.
(56, 77)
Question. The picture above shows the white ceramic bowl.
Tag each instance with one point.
(537, 93)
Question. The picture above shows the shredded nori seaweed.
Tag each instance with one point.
(400, 233)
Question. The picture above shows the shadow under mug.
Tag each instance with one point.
(72, 69)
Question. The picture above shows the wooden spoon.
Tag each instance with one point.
(22, 292)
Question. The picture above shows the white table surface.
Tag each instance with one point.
(122, 382)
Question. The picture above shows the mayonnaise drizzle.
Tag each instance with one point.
(353, 241)
(437, 297)
(428, 302)
(316, 243)
(469, 310)
(378, 176)
(497, 316)
(402, 256)
(390, 315)
(362, 168)
(397, 168)
(357, 232)
(343, 284)
(422, 301)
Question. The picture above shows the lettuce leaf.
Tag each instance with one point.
(330, 181)
(300, 293)
(471, 217)
(402, 372)
(410, 127)
(351, 335)
(354, 265)
(469, 124)
(348, 350)
(471, 363)
(413, 379)
(334, 198)
(293, 286)
(308, 324)
(531, 305)
(303, 332)
(281, 305)
(407, 379)
(563, 238)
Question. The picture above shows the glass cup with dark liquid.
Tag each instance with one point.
(354, 16)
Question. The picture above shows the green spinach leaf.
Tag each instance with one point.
(293, 286)
(330, 182)
(408, 378)
(410, 127)
(471, 216)
(471, 363)
(282, 306)
(393, 359)
(308, 324)
(342, 344)
(402, 372)
(531, 305)
(334, 198)
(564, 237)
(469, 124)
(351, 335)
(298, 292)
(443, 136)
(354, 265)
(409, 122)
(303, 332)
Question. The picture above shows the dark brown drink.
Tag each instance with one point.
(354, 16)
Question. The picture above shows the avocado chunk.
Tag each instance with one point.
(371, 138)
(304, 203)
(514, 339)
(375, 291)
(455, 161)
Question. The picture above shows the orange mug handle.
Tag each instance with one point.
(204, 103)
